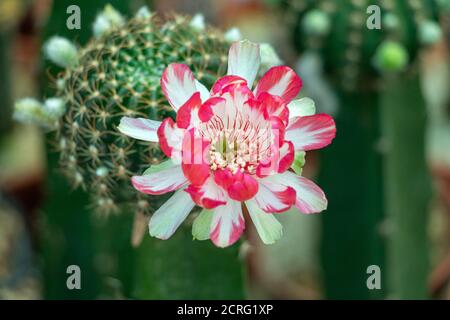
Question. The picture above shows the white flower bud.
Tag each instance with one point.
(61, 52)
(143, 13)
(28, 110)
(60, 83)
(54, 107)
(198, 22)
(101, 26)
(113, 15)
(233, 35)
(429, 32)
(101, 172)
(107, 20)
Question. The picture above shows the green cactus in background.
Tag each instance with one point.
(117, 74)
(358, 56)
(361, 39)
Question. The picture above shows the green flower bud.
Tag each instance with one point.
(317, 23)
(391, 57)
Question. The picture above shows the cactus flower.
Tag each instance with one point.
(231, 149)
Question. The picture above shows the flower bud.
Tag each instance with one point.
(316, 23)
(54, 107)
(391, 57)
(233, 35)
(143, 13)
(61, 52)
(28, 110)
(198, 22)
(107, 20)
(429, 32)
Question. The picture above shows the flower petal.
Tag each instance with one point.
(208, 195)
(301, 107)
(188, 112)
(194, 162)
(166, 220)
(204, 93)
(202, 225)
(309, 197)
(170, 138)
(268, 227)
(169, 178)
(273, 196)
(280, 161)
(244, 60)
(222, 84)
(244, 187)
(223, 178)
(280, 81)
(227, 224)
(207, 109)
(274, 106)
(287, 155)
(178, 84)
(311, 132)
(140, 128)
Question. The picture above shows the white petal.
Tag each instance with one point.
(166, 220)
(310, 198)
(178, 84)
(227, 224)
(311, 132)
(160, 179)
(273, 196)
(140, 128)
(301, 107)
(244, 60)
(204, 92)
(268, 227)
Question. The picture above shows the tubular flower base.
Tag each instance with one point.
(232, 147)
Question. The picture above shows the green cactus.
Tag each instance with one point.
(354, 54)
(359, 60)
(118, 74)
(407, 188)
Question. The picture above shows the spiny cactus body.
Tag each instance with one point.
(355, 54)
(118, 74)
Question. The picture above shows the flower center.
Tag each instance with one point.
(237, 145)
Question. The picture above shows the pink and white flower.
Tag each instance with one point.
(232, 148)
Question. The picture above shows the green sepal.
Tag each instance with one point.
(299, 162)
(202, 225)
